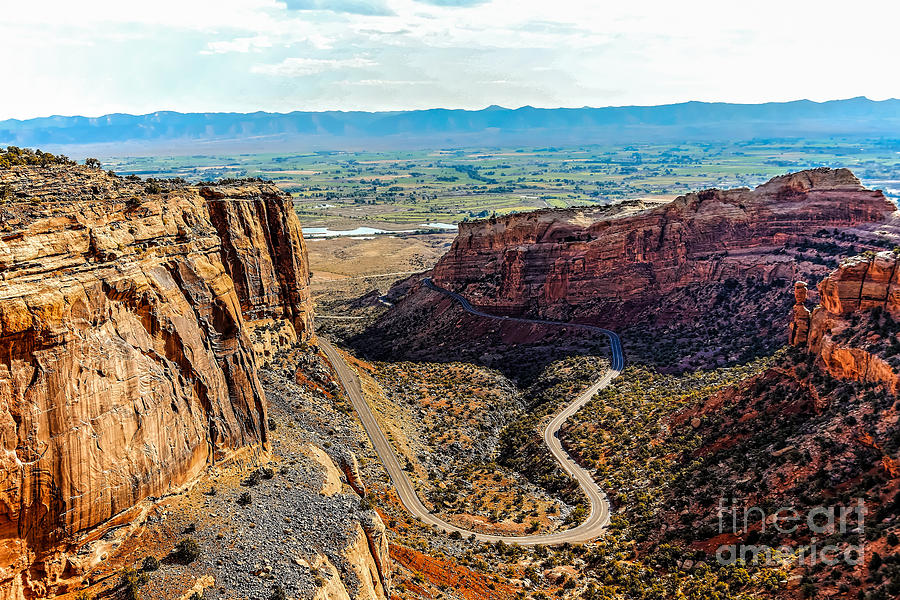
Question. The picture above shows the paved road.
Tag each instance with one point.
(342, 317)
(598, 518)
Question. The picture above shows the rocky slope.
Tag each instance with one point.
(133, 318)
(810, 428)
(820, 428)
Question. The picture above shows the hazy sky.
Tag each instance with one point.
(93, 57)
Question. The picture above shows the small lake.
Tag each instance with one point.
(325, 232)
(446, 226)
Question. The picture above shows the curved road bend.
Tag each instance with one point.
(597, 520)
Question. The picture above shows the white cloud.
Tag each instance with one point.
(242, 44)
(113, 56)
(355, 7)
(301, 67)
(383, 82)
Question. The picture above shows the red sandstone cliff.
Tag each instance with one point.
(263, 250)
(609, 265)
(126, 359)
(853, 331)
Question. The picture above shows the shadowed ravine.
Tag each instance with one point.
(598, 518)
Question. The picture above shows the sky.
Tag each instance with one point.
(94, 57)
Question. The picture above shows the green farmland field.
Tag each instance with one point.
(409, 189)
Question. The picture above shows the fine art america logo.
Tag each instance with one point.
(811, 531)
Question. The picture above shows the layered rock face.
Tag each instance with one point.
(126, 363)
(263, 250)
(609, 265)
(853, 331)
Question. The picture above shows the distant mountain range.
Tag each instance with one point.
(438, 128)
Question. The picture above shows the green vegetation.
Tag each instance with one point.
(625, 434)
(131, 581)
(410, 188)
(15, 156)
(186, 551)
(521, 444)
(455, 411)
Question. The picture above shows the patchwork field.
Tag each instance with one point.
(429, 190)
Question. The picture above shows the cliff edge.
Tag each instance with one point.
(130, 335)
(608, 266)
(852, 333)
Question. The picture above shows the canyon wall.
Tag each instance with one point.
(128, 313)
(263, 250)
(853, 332)
(611, 265)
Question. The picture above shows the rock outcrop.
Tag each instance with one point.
(799, 332)
(126, 359)
(263, 250)
(853, 332)
(610, 265)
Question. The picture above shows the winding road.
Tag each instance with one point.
(597, 520)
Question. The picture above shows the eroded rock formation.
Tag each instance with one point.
(126, 360)
(853, 331)
(799, 332)
(610, 265)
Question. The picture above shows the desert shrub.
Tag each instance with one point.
(150, 564)
(186, 551)
(252, 479)
(244, 499)
(153, 187)
(258, 475)
(15, 156)
(278, 593)
(131, 580)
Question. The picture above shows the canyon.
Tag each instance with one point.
(160, 374)
(705, 273)
(135, 317)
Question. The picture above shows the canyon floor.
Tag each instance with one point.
(653, 439)
(469, 431)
